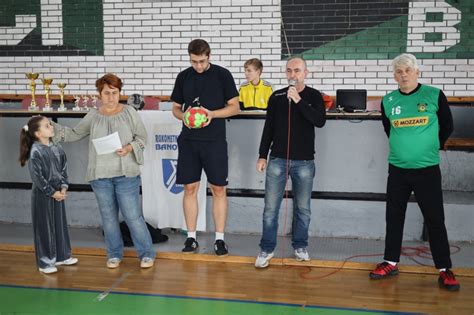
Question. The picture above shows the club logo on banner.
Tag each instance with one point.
(167, 146)
(169, 176)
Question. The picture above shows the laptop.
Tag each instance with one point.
(352, 100)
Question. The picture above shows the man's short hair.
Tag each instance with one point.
(199, 47)
(255, 62)
(404, 60)
(298, 58)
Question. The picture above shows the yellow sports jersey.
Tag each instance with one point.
(254, 97)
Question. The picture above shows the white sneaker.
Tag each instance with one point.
(147, 262)
(301, 254)
(68, 262)
(113, 263)
(263, 259)
(48, 270)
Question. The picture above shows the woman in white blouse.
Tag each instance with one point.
(115, 177)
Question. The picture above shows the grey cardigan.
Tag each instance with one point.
(131, 131)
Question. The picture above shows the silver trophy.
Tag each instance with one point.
(76, 107)
(85, 102)
(94, 101)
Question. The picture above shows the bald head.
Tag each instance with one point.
(297, 59)
(297, 71)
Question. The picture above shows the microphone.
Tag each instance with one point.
(290, 84)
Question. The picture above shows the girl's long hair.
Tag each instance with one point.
(27, 138)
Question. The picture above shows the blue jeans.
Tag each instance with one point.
(301, 174)
(122, 193)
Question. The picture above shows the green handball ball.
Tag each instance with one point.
(195, 118)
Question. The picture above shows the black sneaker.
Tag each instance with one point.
(190, 246)
(220, 248)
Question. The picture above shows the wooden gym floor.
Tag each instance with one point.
(206, 284)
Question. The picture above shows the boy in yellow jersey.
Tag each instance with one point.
(254, 93)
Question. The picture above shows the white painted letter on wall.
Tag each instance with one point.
(432, 36)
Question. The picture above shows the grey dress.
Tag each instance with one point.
(47, 166)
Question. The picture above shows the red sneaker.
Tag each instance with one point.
(448, 281)
(383, 270)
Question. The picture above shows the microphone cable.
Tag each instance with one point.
(287, 176)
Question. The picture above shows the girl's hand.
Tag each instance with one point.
(58, 196)
(63, 192)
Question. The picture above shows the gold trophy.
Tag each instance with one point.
(47, 82)
(32, 76)
(61, 87)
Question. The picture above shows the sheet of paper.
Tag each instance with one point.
(107, 144)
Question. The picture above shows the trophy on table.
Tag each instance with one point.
(85, 102)
(47, 82)
(32, 76)
(61, 87)
(94, 101)
(76, 107)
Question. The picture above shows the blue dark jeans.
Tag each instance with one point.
(122, 193)
(301, 174)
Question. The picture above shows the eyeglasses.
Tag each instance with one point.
(200, 62)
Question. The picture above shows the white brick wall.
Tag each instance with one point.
(13, 35)
(51, 22)
(145, 43)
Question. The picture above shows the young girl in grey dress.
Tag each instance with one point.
(47, 166)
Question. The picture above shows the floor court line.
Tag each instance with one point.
(307, 309)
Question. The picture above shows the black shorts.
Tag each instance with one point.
(195, 155)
